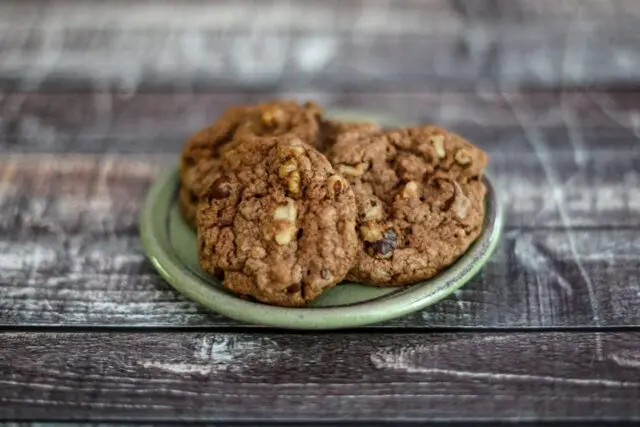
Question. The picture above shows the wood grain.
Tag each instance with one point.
(355, 15)
(535, 280)
(244, 377)
(133, 46)
(98, 121)
(70, 254)
(96, 99)
(547, 188)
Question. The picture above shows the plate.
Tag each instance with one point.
(170, 245)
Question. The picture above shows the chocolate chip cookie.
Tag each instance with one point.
(266, 119)
(420, 200)
(278, 225)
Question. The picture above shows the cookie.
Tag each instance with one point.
(420, 201)
(206, 143)
(331, 130)
(194, 182)
(269, 118)
(277, 118)
(201, 158)
(278, 225)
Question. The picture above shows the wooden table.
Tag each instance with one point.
(96, 99)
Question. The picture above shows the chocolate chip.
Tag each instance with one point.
(219, 273)
(193, 197)
(336, 185)
(220, 189)
(294, 289)
(339, 187)
(384, 247)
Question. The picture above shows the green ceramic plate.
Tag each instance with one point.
(170, 245)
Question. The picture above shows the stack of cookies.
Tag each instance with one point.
(288, 203)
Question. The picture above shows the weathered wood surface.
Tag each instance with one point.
(319, 43)
(533, 281)
(96, 99)
(329, 377)
(99, 121)
(70, 251)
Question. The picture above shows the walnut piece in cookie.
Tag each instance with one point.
(420, 200)
(278, 224)
(240, 124)
(439, 151)
(275, 118)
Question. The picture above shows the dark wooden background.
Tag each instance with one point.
(96, 99)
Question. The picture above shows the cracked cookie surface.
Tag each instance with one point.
(332, 130)
(201, 154)
(278, 225)
(420, 200)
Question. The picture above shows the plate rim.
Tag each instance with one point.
(396, 304)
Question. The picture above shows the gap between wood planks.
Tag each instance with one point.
(373, 422)
(256, 329)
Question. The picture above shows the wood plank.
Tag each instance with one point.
(435, 43)
(244, 377)
(70, 254)
(537, 279)
(99, 121)
(541, 189)
(355, 15)
(403, 16)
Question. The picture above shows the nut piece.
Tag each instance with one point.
(220, 188)
(285, 236)
(272, 116)
(384, 247)
(371, 231)
(287, 167)
(289, 172)
(463, 157)
(410, 191)
(293, 182)
(292, 149)
(438, 145)
(461, 203)
(285, 217)
(357, 170)
(286, 212)
(297, 148)
(374, 212)
(336, 185)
